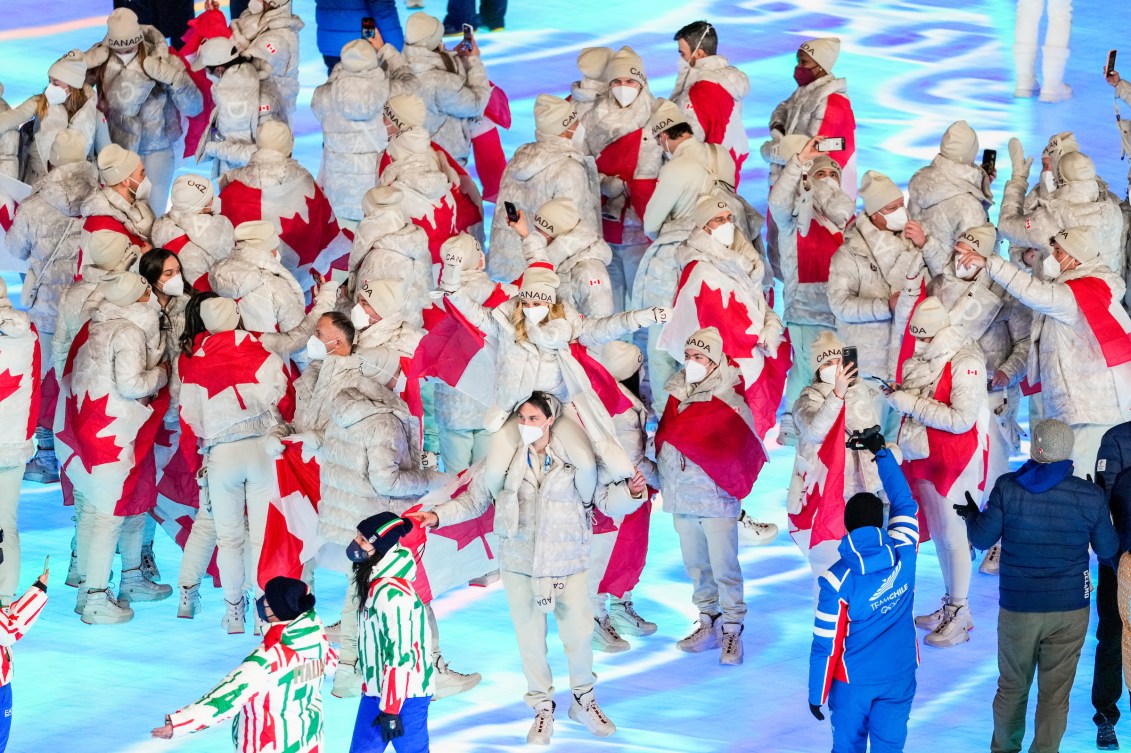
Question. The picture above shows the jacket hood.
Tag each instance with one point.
(944, 179)
(717, 69)
(387, 230)
(579, 244)
(66, 187)
(531, 159)
(356, 405)
(867, 550)
(398, 562)
(1037, 477)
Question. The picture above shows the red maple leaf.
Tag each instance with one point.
(441, 227)
(223, 362)
(308, 237)
(82, 428)
(730, 317)
(467, 532)
(9, 383)
(240, 202)
(7, 216)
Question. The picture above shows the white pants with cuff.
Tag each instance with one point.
(710, 554)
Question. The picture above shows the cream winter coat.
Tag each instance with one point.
(208, 238)
(801, 113)
(73, 310)
(9, 141)
(869, 266)
(718, 70)
(657, 277)
(349, 107)
(17, 343)
(272, 36)
(949, 199)
(455, 97)
(1077, 386)
(370, 461)
(547, 168)
(270, 298)
(145, 100)
(317, 390)
(137, 217)
(682, 180)
(992, 317)
(581, 260)
(245, 97)
(88, 121)
(45, 231)
(385, 247)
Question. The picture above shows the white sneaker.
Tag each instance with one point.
(753, 533)
(955, 628)
(704, 636)
(234, 616)
(347, 682)
(931, 621)
(136, 587)
(80, 599)
(732, 644)
(991, 563)
(190, 602)
(787, 430)
(627, 621)
(102, 609)
(149, 564)
(73, 578)
(334, 632)
(449, 682)
(585, 710)
(606, 638)
(542, 729)
(1056, 92)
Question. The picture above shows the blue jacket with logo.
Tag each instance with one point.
(1113, 468)
(864, 630)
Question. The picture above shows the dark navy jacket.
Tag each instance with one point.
(1113, 466)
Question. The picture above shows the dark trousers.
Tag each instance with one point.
(171, 17)
(1107, 680)
(491, 14)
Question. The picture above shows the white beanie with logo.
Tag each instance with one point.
(191, 193)
(70, 69)
(824, 50)
(557, 217)
(553, 115)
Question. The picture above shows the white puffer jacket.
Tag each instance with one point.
(87, 120)
(949, 199)
(455, 91)
(270, 298)
(1075, 203)
(547, 168)
(385, 247)
(45, 231)
(9, 141)
(714, 69)
(317, 390)
(541, 516)
(740, 261)
(1077, 386)
(397, 71)
(865, 271)
(393, 333)
(686, 487)
(584, 93)
(370, 461)
(137, 217)
(172, 323)
(75, 304)
(424, 182)
(534, 363)
(682, 180)
(657, 277)
(349, 107)
(802, 112)
(203, 240)
(581, 260)
(17, 424)
(992, 317)
(814, 412)
(272, 36)
(823, 209)
(921, 375)
(245, 97)
(146, 99)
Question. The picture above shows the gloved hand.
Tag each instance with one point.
(452, 270)
(815, 710)
(1021, 166)
(870, 439)
(97, 55)
(612, 186)
(968, 511)
(160, 69)
(273, 445)
(390, 724)
(662, 314)
(1100, 482)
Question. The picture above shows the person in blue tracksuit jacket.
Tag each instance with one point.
(865, 653)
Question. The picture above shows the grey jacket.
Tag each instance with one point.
(948, 198)
(455, 97)
(208, 239)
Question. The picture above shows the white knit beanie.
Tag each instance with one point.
(381, 198)
(423, 30)
(276, 136)
(216, 51)
(557, 217)
(106, 249)
(877, 190)
(467, 246)
(122, 29)
(123, 288)
(385, 296)
(824, 50)
(665, 114)
(707, 341)
(69, 146)
(981, 239)
(70, 69)
(708, 208)
(115, 164)
(929, 318)
(826, 346)
(191, 193)
(539, 285)
(358, 55)
(626, 64)
(553, 115)
(1076, 167)
(591, 61)
(257, 234)
(1078, 242)
(219, 314)
(405, 111)
(959, 143)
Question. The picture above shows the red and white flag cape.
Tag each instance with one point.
(20, 362)
(714, 108)
(311, 237)
(708, 298)
(457, 353)
(823, 513)
(840, 121)
(1111, 326)
(290, 539)
(621, 158)
(490, 160)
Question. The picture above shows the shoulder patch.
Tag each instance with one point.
(1101, 465)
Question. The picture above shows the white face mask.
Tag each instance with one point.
(141, 193)
(535, 314)
(827, 374)
(530, 434)
(1048, 180)
(402, 382)
(316, 349)
(174, 286)
(964, 272)
(1050, 267)
(694, 371)
(54, 94)
(896, 220)
(153, 303)
(578, 137)
(625, 95)
(724, 233)
(127, 57)
(358, 317)
(830, 181)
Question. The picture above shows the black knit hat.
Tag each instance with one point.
(288, 597)
(383, 531)
(863, 510)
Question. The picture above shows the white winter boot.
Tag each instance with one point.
(1053, 63)
(585, 710)
(704, 636)
(136, 587)
(449, 682)
(991, 562)
(1025, 61)
(755, 533)
(190, 602)
(347, 682)
(955, 628)
(627, 621)
(234, 616)
(606, 638)
(148, 563)
(931, 621)
(732, 644)
(73, 578)
(102, 609)
(543, 726)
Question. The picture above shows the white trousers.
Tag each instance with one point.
(159, 168)
(948, 531)
(710, 554)
(200, 544)
(10, 480)
(106, 533)
(241, 484)
(573, 612)
(1059, 28)
(600, 552)
(622, 268)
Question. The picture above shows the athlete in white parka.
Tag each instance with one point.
(194, 229)
(386, 245)
(269, 31)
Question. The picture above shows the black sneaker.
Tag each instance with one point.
(1105, 737)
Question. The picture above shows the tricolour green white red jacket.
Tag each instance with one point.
(275, 695)
(394, 639)
(15, 620)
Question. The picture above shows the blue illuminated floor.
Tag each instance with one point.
(912, 69)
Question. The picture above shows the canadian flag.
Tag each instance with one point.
(457, 353)
(708, 298)
(823, 513)
(490, 159)
(311, 238)
(20, 361)
(1111, 326)
(290, 539)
